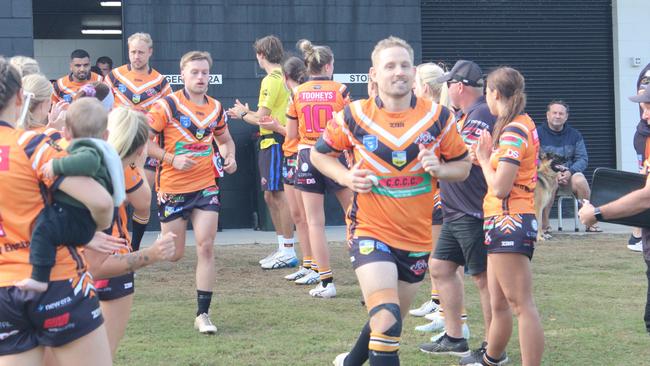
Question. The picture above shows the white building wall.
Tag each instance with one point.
(631, 40)
(53, 55)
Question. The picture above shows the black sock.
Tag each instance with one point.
(489, 361)
(203, 299)
(383, 358)
(138, 233)
(359, 353)
(327, 281)
(453, 339)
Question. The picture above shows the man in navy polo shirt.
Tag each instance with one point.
(461, 241)
(567, 144)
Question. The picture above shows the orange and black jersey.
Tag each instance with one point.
(398, 210)
(132, 181)
(137, 90)
(183, 127)
(65, 88)
(23, 192)
(518, 145)
(313, 103)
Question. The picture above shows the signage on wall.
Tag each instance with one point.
(351, 78)
(215, 79)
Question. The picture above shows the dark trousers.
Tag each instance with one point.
(57, 224)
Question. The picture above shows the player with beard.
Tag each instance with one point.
(139, 86)
(67, 86)
(401, 145)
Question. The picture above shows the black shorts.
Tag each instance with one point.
(151, 164)
(289, 164)
(67, 311)
(180, 205)
(115, 288)
(411, 266)
(514, 233)
(309, 179)
(437, 209)
(462, 241)
(269, 162)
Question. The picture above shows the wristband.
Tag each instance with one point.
(243, 114)
(597, 214)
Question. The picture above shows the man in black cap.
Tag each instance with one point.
(628, 205)
(640, 141)
(461, 241)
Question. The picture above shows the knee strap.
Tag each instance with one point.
(387, 341)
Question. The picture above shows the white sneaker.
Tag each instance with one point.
(281, 260)
(323, 292)
(433, 316)
(340, 359)
(268, 257)
(302, 272)
(426, 308)
(309, 279)
(204, 324)
(637, 247)
(465, 330)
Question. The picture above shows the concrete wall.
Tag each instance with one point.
(631, 40)
(53, 55)
(16, 28)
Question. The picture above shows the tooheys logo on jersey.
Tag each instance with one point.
(403, 186)
(195, 149)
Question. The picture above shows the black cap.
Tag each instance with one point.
(467, 72)
(643, 97)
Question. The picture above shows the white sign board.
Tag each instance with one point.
(351, 78)
(215, 79)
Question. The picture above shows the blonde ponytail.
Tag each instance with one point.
(128, 130)
(42, 89)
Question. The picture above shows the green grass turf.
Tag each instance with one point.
(590, 291)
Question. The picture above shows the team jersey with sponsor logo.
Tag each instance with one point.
(273, 96)
(23, 191)
(518, 145)
(398, 210)
(137, 90)
(186, 128)
(313, 104)
(65, 88)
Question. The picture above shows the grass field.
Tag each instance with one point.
(590, 291)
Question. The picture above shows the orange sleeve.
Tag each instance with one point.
(335, 138)
(40, 149)
(221, 125)
(512, 144)
(166, 90)
(132, 179)
(451, 144)
(157, 116)
(291, 108)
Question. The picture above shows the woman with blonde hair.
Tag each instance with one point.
(312, 106)
(38, 114)
(426, 86)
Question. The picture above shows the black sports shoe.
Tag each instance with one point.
(445, 346)
(476, 357)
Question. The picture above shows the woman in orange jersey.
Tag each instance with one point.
(311, 106)
(402, 145)
(67, 316)
(113, 273)
(509, 163)
(295, 73)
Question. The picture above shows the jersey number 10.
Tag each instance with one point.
(312, 115)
